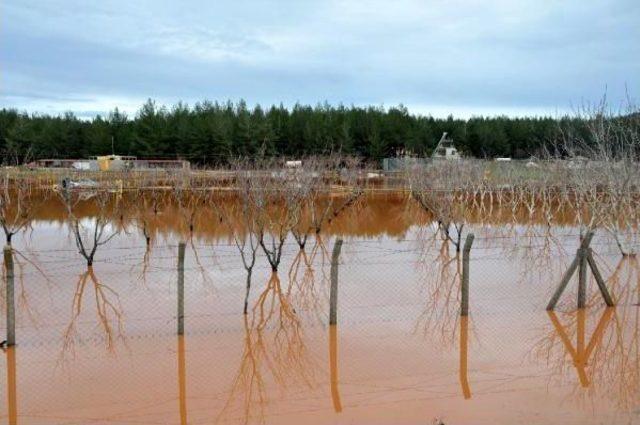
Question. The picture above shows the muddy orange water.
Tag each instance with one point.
(99, 346)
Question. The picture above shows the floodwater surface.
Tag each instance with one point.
(100, 345)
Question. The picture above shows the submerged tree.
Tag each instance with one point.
(329, 186)
(441, 190)
(240, 219)
(89, 237)
(601, 173)
(19, 201)
(276, 197)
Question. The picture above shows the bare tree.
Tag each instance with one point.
(277, 197)
(88, 238)
(245, 236)
(19, 201)
(329, 186)
(601, 170)
(441, 189)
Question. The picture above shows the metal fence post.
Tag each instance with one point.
(464, 310)
(333, 295)
(10, 297)
(181, 248)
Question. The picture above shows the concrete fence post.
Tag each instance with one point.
(10, 296)
(333, 295)
(464, 301)
(181, 248)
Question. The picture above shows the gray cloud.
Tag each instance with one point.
(471, 57)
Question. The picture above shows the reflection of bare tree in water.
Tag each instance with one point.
(144, 265)
(623, 346)
(625, 280)
(539, 253)
(146, 208)
(308, 292)
(274, 351)
(248, 386)
(442, 286)
(189, 197)
(22, 261)
(108, 310)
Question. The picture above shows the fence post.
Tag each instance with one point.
(582, 277)
(181, 248)
(579, 263)
(464, 310)
(599, 280)
(563, 283)
(10, 298)
(333, 295)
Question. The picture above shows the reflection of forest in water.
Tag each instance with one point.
(399, 300)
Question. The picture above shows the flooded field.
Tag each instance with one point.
(100, 344)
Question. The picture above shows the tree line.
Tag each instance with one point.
(211, 133)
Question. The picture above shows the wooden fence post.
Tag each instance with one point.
(563, 283)
(333, 295)
(582, 261)
(181, 248)
(464, 310)
(582, 277)
(10, 297)
(599, 280)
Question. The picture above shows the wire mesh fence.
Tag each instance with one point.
(400, 336)
(131, 291)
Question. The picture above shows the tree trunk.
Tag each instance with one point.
(246, 295)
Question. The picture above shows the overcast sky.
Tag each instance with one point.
(535, 57)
